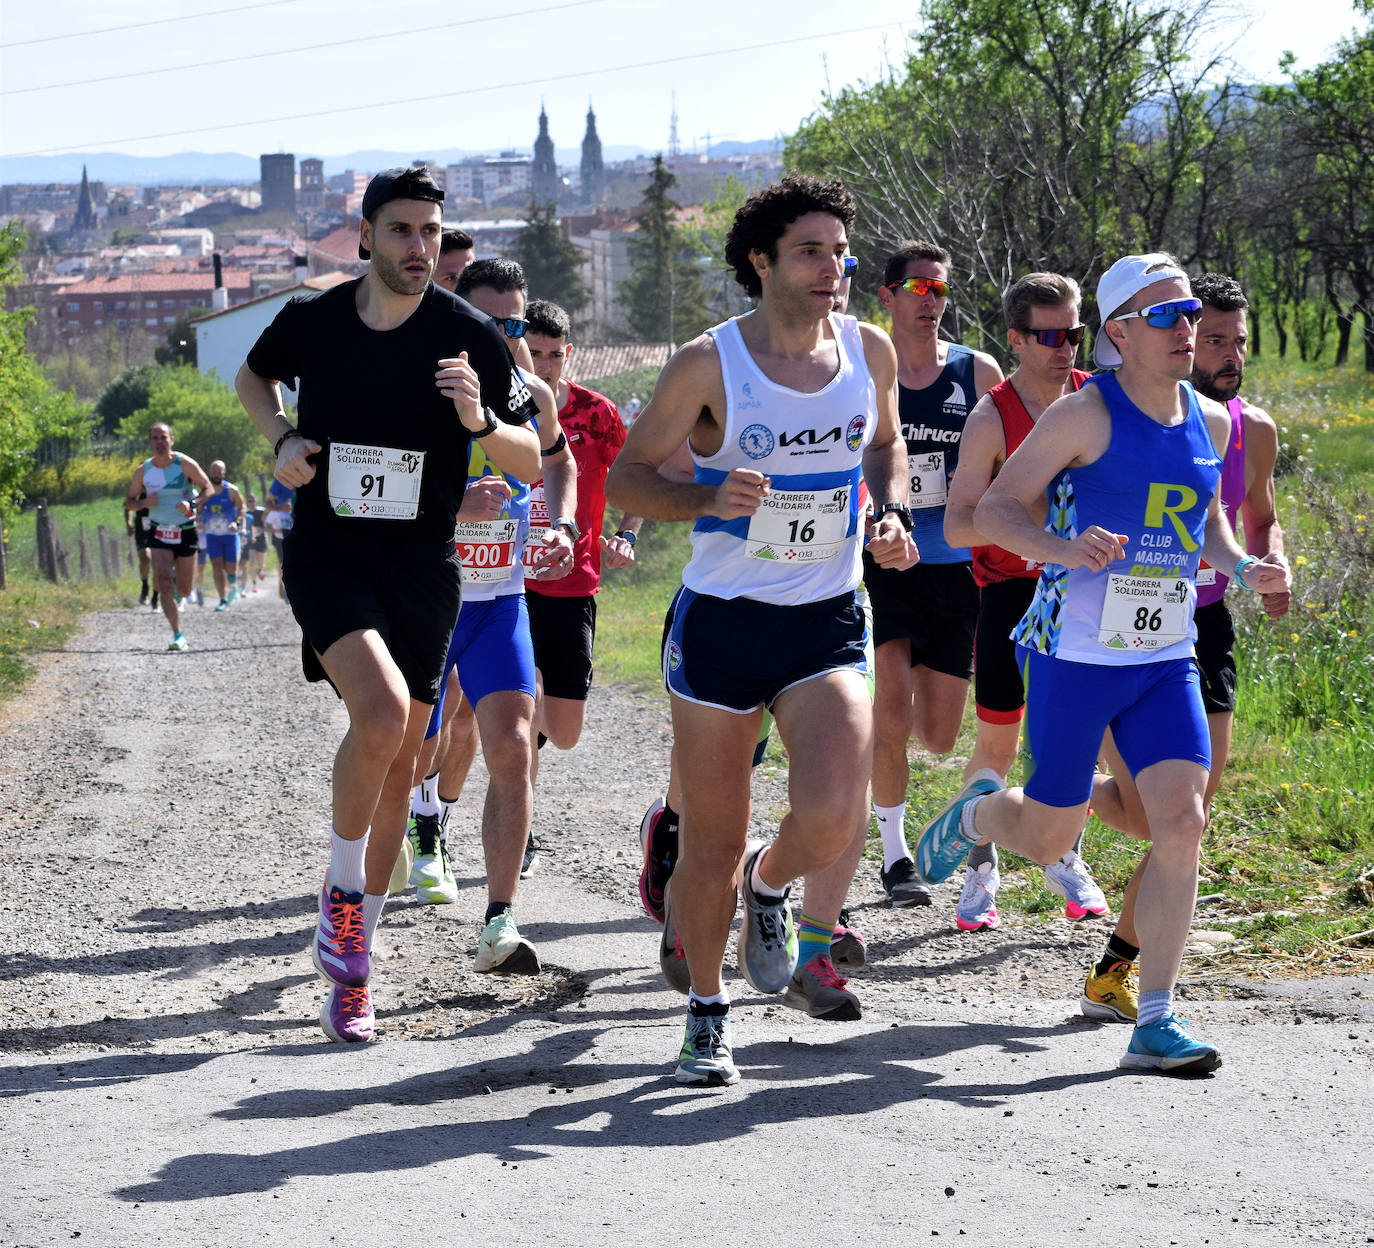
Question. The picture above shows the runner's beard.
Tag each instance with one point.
(395, 279)
(1206, 383)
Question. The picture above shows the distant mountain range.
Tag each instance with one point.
(229, 168)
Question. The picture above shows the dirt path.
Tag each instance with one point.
(163, 820)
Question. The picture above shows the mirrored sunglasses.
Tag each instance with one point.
(512, 326)
(1165, 315)
(1055, 338)
(922, 286)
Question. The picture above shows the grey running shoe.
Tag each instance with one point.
(705, 1059)
(848, 949)
(503, 951)
(818, 989)
(767, 946)
(903, 884)
(530, 862)
(672, 961)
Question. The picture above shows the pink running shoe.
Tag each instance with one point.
(339, 950)
(1070, 879)
(347, 1014)
(659, 860)
(976, 910)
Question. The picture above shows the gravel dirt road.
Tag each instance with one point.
(164, 1079)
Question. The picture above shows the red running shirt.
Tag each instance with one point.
(991, 563)
(595, 435)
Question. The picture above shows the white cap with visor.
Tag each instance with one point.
(1118, 286)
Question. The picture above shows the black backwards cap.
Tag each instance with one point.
(414, 182)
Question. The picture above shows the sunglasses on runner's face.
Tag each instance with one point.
(512, 326)
(1055, 338)
(851, 263)
(922, 286)
(1165, 315)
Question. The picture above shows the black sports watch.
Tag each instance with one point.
(900, 510)
(567, 522)
(627, 536)
(491, 425)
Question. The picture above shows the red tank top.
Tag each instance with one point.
(992, 563)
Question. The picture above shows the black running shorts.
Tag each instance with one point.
(563, 631)
(410, 597)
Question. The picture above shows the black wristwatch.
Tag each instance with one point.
(567, 522)
(626, 535)
(491, 425)
(900, 510)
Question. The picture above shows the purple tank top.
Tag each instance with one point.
(1232, 495)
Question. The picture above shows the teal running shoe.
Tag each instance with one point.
(1166, 1046)
(943, 846)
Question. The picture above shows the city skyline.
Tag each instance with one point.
(310, 76)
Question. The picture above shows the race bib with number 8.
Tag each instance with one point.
(375, 482)
(928, 485)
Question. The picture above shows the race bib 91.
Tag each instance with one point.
(375, 482)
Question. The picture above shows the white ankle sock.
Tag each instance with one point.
(763, 891)
(891, 827)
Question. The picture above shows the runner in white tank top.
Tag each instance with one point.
(767, 616)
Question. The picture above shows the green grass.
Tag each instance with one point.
(36, 615)
(1290, 850)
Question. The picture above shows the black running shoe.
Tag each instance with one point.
(904, 884)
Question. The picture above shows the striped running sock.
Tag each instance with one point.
(813, 939)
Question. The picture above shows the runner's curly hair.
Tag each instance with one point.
(763, 218)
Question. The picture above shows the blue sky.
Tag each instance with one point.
(426, 79)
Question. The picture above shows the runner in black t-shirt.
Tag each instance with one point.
(396, 378)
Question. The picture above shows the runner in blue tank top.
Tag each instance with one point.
(782, 408)
(1131, 465)
(222, 511)
(924, 618)
(1247, 489)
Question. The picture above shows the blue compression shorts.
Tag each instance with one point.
(1153, 709)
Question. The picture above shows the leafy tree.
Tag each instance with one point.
(663, 297)
(1028, 134)
(1332, 122)
(126, 394)
(724, 296)
(31, 409)
(206, 416)
(552, 263)
(180, 347)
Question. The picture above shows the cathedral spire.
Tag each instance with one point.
(593, 172)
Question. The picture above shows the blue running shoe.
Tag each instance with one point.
(942, 846)
(1166, 1046)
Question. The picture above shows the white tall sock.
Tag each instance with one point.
(347, 862)
(891, 827)
(373, 905)
(425, 799)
